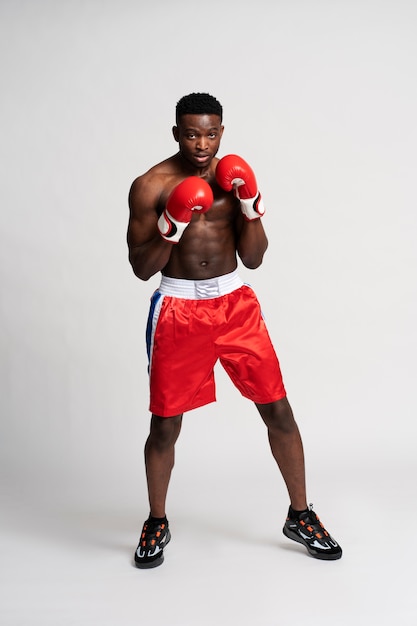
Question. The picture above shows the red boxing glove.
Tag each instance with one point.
(232, 172)
(192, 194)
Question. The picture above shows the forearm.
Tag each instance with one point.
(233, 174)
(150, 258)
(252, 243)
(151, 238)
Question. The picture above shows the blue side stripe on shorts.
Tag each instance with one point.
(149, 326)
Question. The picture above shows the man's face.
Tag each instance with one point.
(198, 137)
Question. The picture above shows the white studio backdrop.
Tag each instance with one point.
(320, 97)
(321, 103)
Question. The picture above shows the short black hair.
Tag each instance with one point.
(198, 104)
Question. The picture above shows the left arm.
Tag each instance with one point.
(252, 242)
(234, 174)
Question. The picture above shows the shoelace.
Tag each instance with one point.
(313, 523)
(151, 534)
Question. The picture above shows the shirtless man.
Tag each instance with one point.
(191, 216)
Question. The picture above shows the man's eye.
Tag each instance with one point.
(190, 136)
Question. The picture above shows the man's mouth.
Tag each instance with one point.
(201, 157)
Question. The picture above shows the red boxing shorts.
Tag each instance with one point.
(194, 323)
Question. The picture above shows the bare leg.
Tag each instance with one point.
(159, 459)
(287, 448)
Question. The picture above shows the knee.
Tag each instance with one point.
(278, 416)
(164, 432)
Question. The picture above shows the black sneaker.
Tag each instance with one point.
(308, 530)
(150, 551)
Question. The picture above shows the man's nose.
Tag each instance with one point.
(202, 143)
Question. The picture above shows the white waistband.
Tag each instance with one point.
(200, 289)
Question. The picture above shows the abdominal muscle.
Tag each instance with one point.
(206, 249)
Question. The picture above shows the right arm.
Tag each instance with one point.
(148, 251)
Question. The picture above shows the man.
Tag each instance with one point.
(191, 216)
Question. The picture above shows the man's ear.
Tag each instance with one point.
(175, 132)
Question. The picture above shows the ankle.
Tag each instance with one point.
(295, 513)
(157, 519)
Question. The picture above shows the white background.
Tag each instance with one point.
(321, 98)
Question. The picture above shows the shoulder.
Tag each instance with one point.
(156, 177)
(148, 188)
